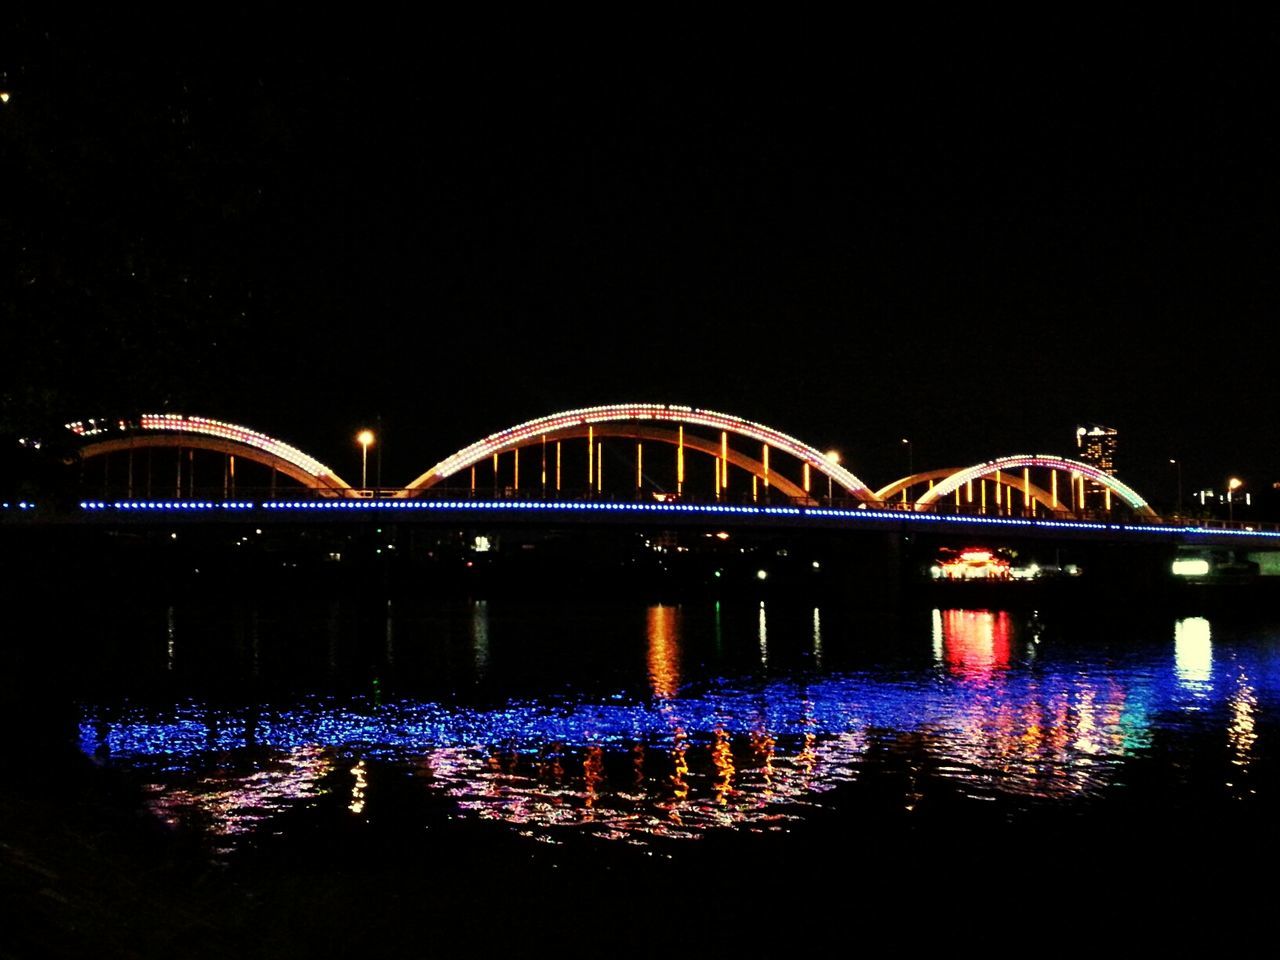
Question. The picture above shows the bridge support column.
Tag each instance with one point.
(680, 462)
(724, 460)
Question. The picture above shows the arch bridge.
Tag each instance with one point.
(769, 465)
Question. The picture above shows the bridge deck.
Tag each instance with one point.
(512, 511)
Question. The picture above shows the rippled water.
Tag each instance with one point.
(664, 724)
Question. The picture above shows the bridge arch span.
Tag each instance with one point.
(1036, 461)
(174, 430)
(1040, 495)
(646, 420)
(888, 492)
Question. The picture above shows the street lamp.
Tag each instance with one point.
(832, 457)
(364, 438)
(911, 465)
(1178, 464)
(1234, 484)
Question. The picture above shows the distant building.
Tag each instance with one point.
(1096, 446)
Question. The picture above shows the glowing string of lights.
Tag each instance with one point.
(531, 430)
(203, 426)
(1038, 460)
(570, 507)
(207, 427)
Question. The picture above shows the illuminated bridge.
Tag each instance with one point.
(616, 463)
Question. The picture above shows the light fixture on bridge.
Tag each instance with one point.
(1233, 484)
(365, 439)
(833, 458)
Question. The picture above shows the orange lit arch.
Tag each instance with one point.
(1036, 461)
(647, 421)
(1038, 494)
(173, 431)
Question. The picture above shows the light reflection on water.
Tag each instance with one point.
(987, 718)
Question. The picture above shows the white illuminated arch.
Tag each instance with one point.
(164, 430)
(571, 420)
(1037, 461)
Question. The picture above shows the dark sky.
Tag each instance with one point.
(975, 234)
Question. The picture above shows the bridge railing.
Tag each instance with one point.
(283, 494)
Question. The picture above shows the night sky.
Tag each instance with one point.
(974, 234)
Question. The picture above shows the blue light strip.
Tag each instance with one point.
(343, 505)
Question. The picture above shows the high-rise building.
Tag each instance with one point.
(1096, 446)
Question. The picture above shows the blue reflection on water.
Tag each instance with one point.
(990, 715)
(951, 697)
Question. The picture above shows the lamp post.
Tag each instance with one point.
(832, 457)
(911, 464)
(364, 438)
(1178, 464)
(1234, 484)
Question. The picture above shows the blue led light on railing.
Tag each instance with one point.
(817, 513)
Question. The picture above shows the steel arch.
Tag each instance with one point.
(570, 423)
(1041, 461)
(172, 430)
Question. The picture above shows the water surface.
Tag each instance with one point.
(649, 728)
